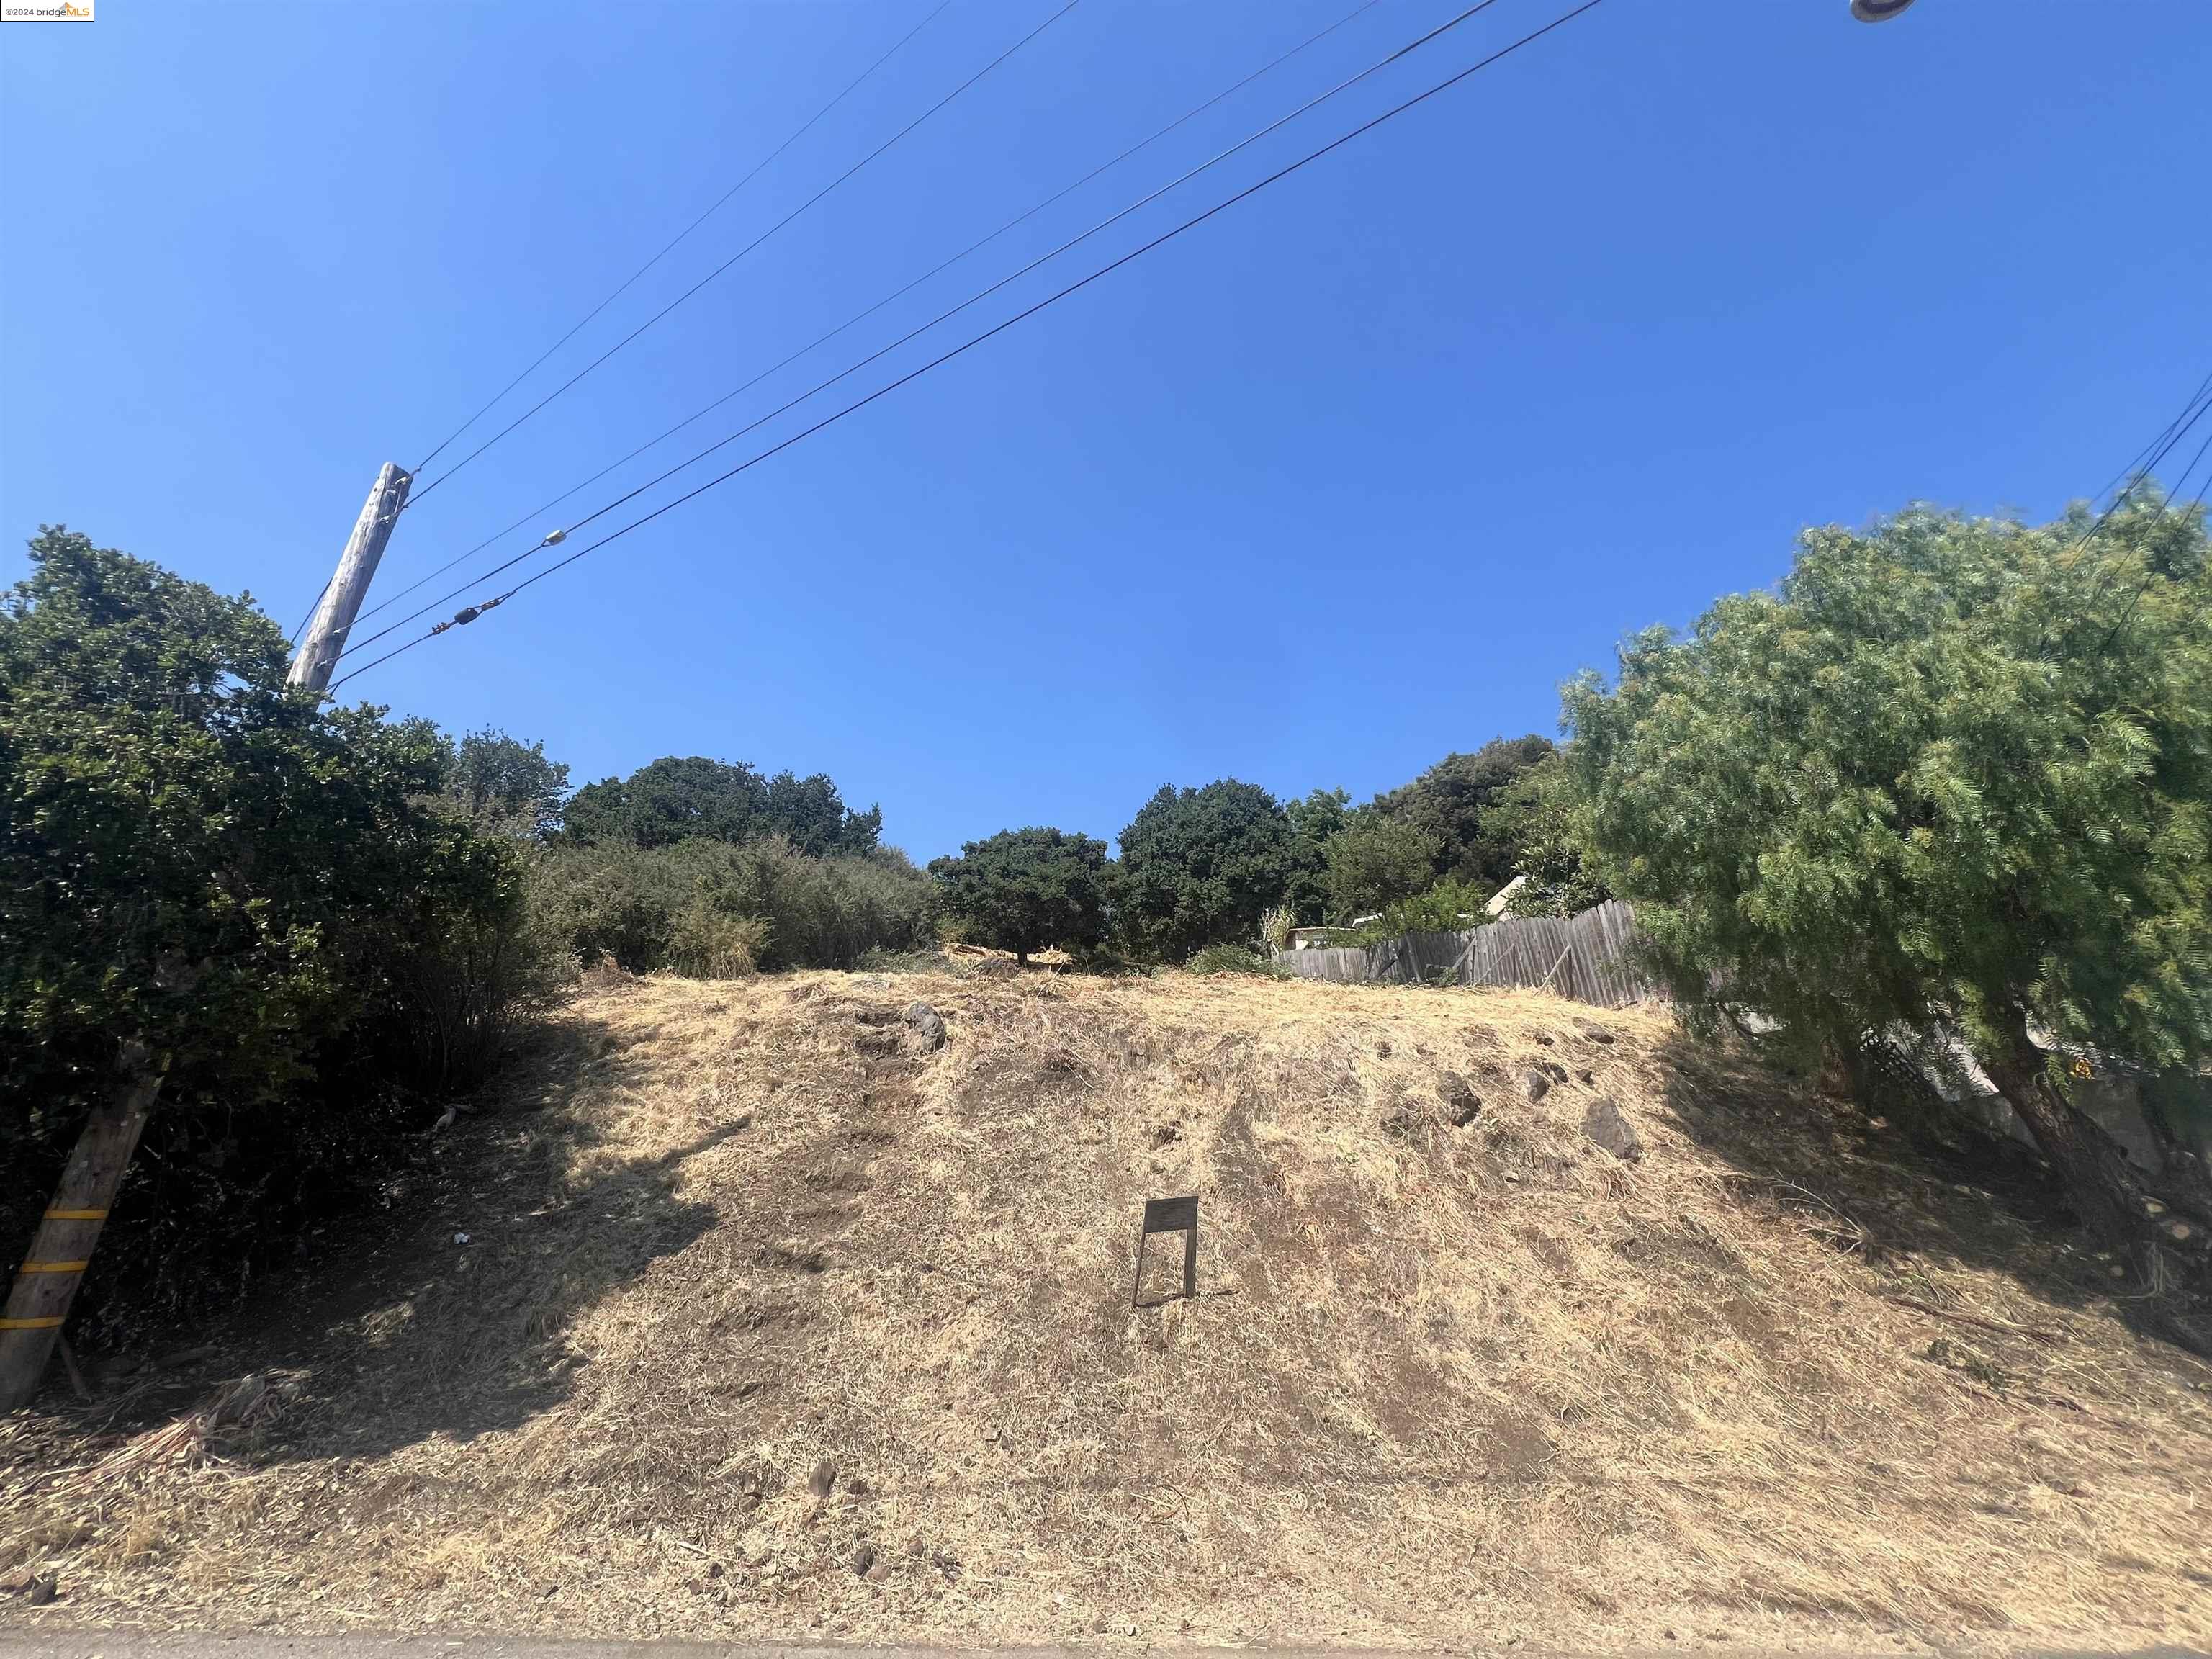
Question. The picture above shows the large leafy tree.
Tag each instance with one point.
(1199, 865)
(1455, 803)
(1025, 890)
(1956, 771)
(505, 786)
(205, 877)
(692, 797)
(1375, 860)
(1316, 818)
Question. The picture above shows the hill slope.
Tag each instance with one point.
(1442, 1385)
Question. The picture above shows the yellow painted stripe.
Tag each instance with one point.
(76, 1215)
(53, 1267)
(30, 1324)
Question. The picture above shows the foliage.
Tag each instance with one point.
(655, 908)
(1448, 906)
(1024, 889)
(1275, 926)
(1957, 770)
(503, 785)
(1542, 815)
(206, 873)
(1315, 818)
(679, 798)
(1198, 867)
(1376, 861)
(1454, 802)
(1235, 959)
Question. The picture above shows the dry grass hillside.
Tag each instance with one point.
(770, 1323)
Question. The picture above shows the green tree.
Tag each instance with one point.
(1454, 802)
(692, 797)
(505, 787)
(1315, 818)
(1375, 860)
(671, 799)
(205, 879)
(1198, 867)
(1024, 889)
(1539, 814)
(1957, 771)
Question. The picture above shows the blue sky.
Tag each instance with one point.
(1352, 475)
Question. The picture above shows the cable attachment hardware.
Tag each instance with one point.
(556, 539)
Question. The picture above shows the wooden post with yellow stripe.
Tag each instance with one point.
(46, 1282)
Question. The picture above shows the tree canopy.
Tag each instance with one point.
(1374, 861)
(1026, 889)
(1957, 770)
(679, 798)
(505, 787)
(1198, 867)
(1453, 803)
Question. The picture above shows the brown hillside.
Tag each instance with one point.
(1443, 1386)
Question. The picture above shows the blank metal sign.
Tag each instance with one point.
(1169, 1215)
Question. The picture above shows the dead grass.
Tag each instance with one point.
(1442, 1386)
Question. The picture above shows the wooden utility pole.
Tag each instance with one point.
(46, 1282)
(326, 634)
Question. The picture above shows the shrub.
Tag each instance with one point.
(1234, 959)
(1199, 865)
(1450, 907)
(1376, 861)
(652, 909)
(1024, 889)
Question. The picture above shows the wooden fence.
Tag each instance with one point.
(1584, 957)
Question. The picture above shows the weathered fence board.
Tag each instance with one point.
(1585, 956)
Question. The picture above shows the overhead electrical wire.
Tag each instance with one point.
(2138, 471)
(1285, 171)
(862, 316)
(1246, 142)
(669, 247)
(725, 264)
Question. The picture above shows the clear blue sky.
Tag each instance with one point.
(1350, 476)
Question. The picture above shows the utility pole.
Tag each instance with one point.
(326, 634)
(53, 1267)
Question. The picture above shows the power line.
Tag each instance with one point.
(1220, 207)
(820, 340)
(669, 246)
(558, 536)
(825, 190)
(2147, 459)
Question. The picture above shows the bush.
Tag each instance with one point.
(670, 908)
(204, 872)
(1450, 907)
(1024, 889)
(1234, 959)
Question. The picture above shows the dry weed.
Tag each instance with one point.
(769, 1325)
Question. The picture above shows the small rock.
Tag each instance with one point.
(1605, 1124)
(460, 1238)
(863, 1560)
(1536, 1084)
(2177, 1230)
(928, 1026)
(1552, 1069)
(1593, 1031)
(1165, 1133)
(824, 1479)
(1382, 1049)
(878, 1572)
(1588, 1078)
(1461, 1104)
(714, 1569)
(42, 1589)
(855, 1487)
(1544, 1039)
